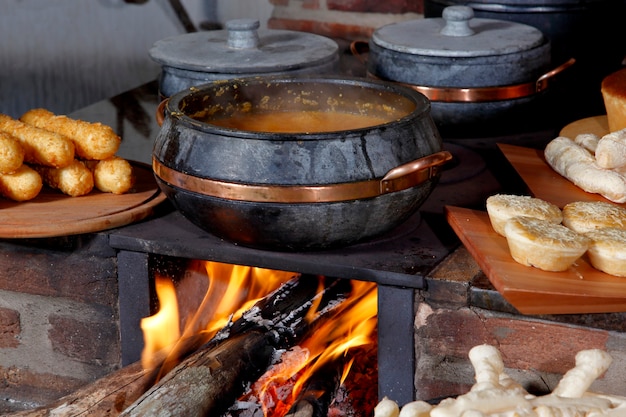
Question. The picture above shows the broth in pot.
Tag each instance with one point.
(297, 121)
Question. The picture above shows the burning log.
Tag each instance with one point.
(106, 397)
(318, 392)
(209, 380)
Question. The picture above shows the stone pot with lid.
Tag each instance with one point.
(241, 50)
(481, 75)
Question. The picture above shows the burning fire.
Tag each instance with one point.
(232, 290)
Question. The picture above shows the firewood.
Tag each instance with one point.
(210, 379)
(318, 391)
(105, 397)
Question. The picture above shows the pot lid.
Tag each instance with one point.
(458, 34)
(243, 48)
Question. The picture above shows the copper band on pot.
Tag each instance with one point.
(481, 94)
(400, 178)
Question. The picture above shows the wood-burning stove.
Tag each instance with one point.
(397, 262)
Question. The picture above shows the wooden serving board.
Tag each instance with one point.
(52, 213)
(598, 125)
(542, 181)
(580, 289)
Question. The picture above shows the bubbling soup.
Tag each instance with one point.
(297, 121)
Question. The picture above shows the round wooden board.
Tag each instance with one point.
(52, 213)
(597, 125)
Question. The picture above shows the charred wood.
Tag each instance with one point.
(211, 378)
(318, 392)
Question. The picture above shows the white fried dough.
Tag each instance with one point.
(590, 364)
(611, 150)
(386, 408)
(74, 180)
(542, 244)
(578, 165)
(92, 140)
(11, 154)
(607, 251)
(40, 146)
(501, 207)
(585, 216)
(114, 175)
(588, 141)
(22, 185)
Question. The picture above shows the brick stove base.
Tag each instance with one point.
(461, 310)
(59, 319)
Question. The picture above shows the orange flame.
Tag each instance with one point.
(351, 326)
(161, 330)
(233, 289)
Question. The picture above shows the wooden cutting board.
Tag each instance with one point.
(542, 181)
(580, 289)
(52, 213)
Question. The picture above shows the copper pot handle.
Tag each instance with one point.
(413, 173)
(397, 179)
(482, 94)
(160, 112)
(358, 47)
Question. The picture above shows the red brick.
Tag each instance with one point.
(10, 328)
(524, 344)
(377, 6)
(329, 29)
(311, 4)
(74, 276)
(85, 341)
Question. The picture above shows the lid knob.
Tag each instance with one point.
(242, 33)
(457, 21)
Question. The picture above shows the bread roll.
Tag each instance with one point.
(585, 216)
(74, 180)
(41, 146)
(611, 150)
(11, 154)
(501, 207)
(613, 89)
(22, 185)
(92, 140)
(114, 175)
(578, 165)
(607, 250)
(543, 244)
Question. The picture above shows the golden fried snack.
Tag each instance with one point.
(22, 185)
(41, 146)
(11, 154)
(114, 175)
(92, 140)
(74, 180)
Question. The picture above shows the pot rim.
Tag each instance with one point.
(421, 102)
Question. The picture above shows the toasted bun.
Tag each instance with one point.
(502, 207)
(613, 90)
(543, 244)
(607, 251)
(585, 216)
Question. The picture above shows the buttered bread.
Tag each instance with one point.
(502, 207)
(585, 216)
(543, 244)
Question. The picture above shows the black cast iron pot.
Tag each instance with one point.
(297, 191)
